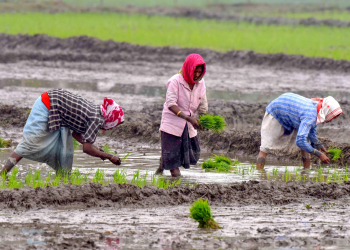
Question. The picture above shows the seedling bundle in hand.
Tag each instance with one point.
(216, 123)
(336, 153)
(200, 211)
(219, 163)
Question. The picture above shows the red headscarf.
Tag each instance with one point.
(189, 66)
(112, 113)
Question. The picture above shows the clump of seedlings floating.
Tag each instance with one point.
(219, 163)
(216, 123)
(34, 179)
(200, 212)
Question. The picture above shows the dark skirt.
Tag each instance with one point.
(179, 151)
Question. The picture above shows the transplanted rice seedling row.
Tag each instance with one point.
(311, 41)
(34, 179)
(319, 174)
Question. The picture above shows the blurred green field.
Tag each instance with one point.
(182, 32)
(335, 14)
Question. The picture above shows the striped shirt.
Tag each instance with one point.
(297, 112)
(76, 113)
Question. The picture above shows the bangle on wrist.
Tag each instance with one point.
(111, 158)
(178, 113)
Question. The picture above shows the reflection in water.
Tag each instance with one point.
(159, 91)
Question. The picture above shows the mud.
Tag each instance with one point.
(323, 226)
(16, 48)
(95, 195)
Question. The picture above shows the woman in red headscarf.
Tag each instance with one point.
(185, 98)
(47, 134)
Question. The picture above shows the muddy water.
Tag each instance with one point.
(146, 161)
(323, 226)
(136, 76)
(158, 91)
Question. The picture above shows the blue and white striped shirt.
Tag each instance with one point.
(297, 112)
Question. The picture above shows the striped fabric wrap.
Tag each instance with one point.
(327, 109)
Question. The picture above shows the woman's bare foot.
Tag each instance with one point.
(160, 169)
(175, 172)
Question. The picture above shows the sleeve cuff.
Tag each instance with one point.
(317, 153)
(317, 146)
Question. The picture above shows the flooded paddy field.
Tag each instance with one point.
(257, 209)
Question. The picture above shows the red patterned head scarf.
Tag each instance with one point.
(112, 113)
(327, 109)
(189, 66)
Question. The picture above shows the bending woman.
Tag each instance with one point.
(186, 96)
(47, 134)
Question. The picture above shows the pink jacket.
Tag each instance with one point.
(179, 94)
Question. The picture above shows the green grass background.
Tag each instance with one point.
(183, 32)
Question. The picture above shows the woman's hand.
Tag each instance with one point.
(324, 150)
(193, 121)
(324, 158)
(115, 160)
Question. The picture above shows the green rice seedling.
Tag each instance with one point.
(209, 164)
(219, 123)
(135, 177)
(274, 172)
(176, 183)
(3, 179)
(219, 163)
(119, 177)
(76, 144)
(200, 211)
(222, 158)
(37, 181)
(57, 180)
(98, 177)
(4, 143)
(13, 181)
(106, 148)
(141, 181)
(308, 206)
(223, 167)
(206, 121)
(48, 179)
(28, 179)
(125, 156)
(76, 178)
(336, 153)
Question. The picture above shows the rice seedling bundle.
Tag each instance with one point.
(200, 212)
(336, 153)
(219, 163)
(216, 123)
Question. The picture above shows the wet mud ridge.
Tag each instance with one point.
(113, 195)
(15, 48)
